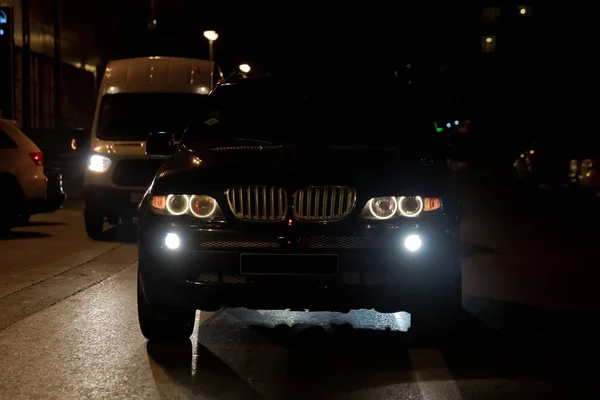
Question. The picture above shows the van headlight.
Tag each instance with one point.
(99, 163)
(388, 207)
(196, 205)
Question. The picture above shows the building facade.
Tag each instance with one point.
(54, 54)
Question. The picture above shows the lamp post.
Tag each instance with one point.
(211, 36)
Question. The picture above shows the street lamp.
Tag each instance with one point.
(245, 68)
(211, 36)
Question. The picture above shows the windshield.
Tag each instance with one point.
(269, 111)
(132, 116)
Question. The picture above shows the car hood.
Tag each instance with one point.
(366, 167)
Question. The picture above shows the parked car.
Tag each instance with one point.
(554, 164)
(584, 169)
(22, 177)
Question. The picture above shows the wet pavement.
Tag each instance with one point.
(68, 323)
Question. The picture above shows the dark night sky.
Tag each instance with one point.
(362, 42)
(320, 36)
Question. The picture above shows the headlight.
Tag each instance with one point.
(99, 163)
(383, 207)
(399, 206)
(196, 205)
(410, 206)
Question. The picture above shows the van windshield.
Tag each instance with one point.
(132, 116)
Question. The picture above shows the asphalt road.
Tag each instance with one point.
(68, 323)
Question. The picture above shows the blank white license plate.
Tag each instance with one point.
(136, 197)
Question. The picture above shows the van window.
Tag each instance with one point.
(6, 142)
(132, 116)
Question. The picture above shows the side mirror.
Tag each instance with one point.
(160, 144)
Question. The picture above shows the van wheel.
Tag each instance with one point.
(94, 224)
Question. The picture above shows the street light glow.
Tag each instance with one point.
(211, 35)
(245, 68)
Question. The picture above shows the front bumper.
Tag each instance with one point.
(374, 268)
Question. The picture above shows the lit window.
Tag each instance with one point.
(490, 14)
(488, 44)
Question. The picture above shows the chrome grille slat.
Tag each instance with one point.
(323, 203)
(257, 203)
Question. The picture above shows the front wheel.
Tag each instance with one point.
(7, 221)
(441, 316)
(9, 206)
(23, 219)
(437, 321)
(94, 223)
(163, 323)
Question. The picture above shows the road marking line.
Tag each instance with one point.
(55, 267)
(432, 375)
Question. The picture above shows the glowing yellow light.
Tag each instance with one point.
(488, 40)
(245, 68)
(211, 35)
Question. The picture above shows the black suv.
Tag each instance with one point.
(275, 200)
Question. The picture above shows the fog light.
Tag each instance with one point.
(413, 242)
(172, 241)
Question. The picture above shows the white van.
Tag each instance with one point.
(137, 96)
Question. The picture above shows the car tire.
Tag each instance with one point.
(441, 317)
(23, 219)
(163, 323)
(9, 204)
(442, 320)
(7, 221)
(94, 223)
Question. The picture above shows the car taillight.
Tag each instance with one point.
(37, 158)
